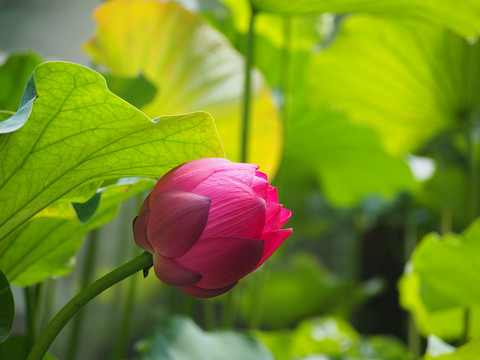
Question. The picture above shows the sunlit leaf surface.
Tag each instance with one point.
(408, 93)
(193, 68)
(462, 17)
(79, 132)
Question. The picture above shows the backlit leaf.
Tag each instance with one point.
(78, 133)
(348, 159)
(463, 17)
(407, 94)
(193, 68)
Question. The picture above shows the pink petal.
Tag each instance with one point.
(242, 172)
(172, 273)
(235, 211)
(272, 241)
(140, 231)
(222, 261)
(205, 293)
(176, 221)
(285, 216)
(272, 194)
(260, 186)
(261, 175)
(272, 221)
(146, 203)
(186, 176)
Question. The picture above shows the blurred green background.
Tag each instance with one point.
(365, 115)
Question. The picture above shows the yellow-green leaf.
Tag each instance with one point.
(193, 68)
(461, 16)
(409, 93)
(78, 133)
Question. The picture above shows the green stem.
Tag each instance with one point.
(126, 315)
(86, 278)
(31, 301)
(61, 319)
(247, 86)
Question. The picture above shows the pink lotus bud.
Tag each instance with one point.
(210, 222)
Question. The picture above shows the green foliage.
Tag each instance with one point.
(438, 350)
(7, 308)
(16, 348)
(339, 151)
(46, 246)
(169, 342)
(193, 68)
(447, 13)
(332, 338)
(14, 74)
(137, 91)
(309, 284)
(408, 96)
(80, 133)
(438, 280)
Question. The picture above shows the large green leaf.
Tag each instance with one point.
(7, 308)
(408, 93)
(193, 68)
(464, 17)
(437, 283)
(46, 245)
(79, 132)
(348, 159)
(182, 339)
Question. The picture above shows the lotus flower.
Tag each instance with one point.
(210, 222)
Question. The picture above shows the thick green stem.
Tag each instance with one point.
(247, 87)
(61, 319)
(86, 278)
